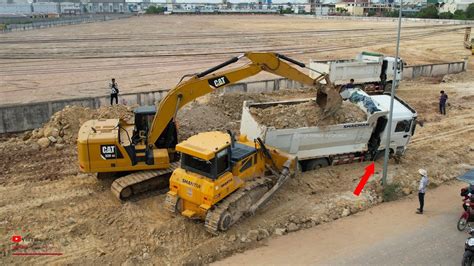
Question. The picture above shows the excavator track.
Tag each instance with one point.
(138, 182)
(232, 208)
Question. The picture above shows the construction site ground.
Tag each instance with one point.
(153, 52)
(45, 199)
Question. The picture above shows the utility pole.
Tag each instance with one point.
(392, 96)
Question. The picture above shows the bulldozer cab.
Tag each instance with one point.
(206, 154)
(227, 154)
(143, 119)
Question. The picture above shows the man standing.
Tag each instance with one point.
(349, 85)
(422, 189)
(442, 102)
(114, 91)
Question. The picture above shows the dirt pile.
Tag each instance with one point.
(306, 114)
(64, 125)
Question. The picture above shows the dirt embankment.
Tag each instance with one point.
(47, 200)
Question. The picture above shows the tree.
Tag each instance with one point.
(341, 10)
(470, 11)
(428, 12)
(459, 14)
(155, 10)
(371, 13)
(446, 15)
(393, 13)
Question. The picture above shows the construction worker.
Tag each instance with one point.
(443, 98)
(114, 91)
(422, 189)
(349, 85)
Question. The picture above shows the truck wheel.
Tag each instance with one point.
(316, 164)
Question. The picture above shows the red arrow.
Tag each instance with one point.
(369, 170)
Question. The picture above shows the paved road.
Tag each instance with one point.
(389, 234)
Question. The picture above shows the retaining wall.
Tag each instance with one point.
(16, 118)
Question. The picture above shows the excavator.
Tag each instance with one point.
(142, 155)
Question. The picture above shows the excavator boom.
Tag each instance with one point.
(209, 80)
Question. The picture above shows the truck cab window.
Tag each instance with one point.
(403, 126)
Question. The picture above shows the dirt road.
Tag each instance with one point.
(389, 234)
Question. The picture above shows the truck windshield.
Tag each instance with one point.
(197, 165)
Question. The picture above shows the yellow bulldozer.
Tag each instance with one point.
(222, 179)
(142, 155)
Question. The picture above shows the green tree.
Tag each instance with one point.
(428, 12)
(446, 15)
(459, 14)
(470, 11)
(393, 13)
(155, 10)
(371, 13)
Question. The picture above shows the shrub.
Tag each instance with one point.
(392, 192)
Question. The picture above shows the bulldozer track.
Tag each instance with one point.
(213, 216)
(134, 183)
(170, 203)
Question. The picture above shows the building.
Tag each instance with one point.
(105, 6)
(453, 5)
(352, 7)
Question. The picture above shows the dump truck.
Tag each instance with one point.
(317, 147)
(372, 72)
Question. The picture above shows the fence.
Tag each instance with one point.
(16, 118)
(39, 24)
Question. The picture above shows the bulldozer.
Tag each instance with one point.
(222, 179)
(142, 155)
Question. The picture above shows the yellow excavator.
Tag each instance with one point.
(143, 154)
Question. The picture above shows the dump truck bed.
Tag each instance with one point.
(310, 142)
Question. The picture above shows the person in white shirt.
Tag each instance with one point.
(422, 189)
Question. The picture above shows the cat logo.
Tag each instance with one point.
(218, 82)
(110, 152)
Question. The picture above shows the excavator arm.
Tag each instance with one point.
(210, 80)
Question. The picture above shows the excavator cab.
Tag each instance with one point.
(143, 119)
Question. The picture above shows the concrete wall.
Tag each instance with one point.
(15, 118)
(421, 20)
(432, 70)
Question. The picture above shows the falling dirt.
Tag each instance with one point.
(306, 114)
(45, 199)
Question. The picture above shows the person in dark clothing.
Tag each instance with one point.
(114, 91)
(349, 85)
(442, 102)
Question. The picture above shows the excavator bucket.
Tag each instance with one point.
(328, 98)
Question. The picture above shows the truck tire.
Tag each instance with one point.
(316, 164)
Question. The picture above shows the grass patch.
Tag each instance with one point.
(392, 191)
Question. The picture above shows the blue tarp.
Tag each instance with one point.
(367, 101)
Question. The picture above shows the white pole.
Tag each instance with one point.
(392, 95)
